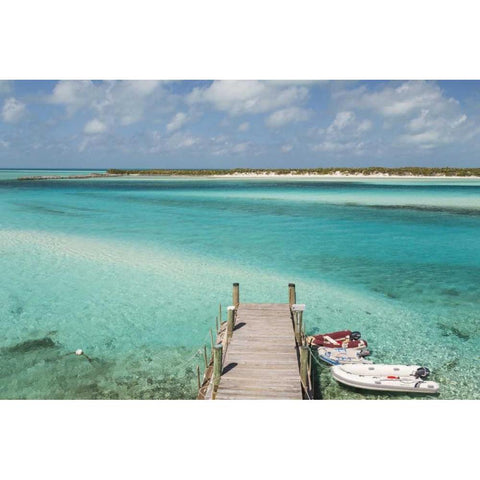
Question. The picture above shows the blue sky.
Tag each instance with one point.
(225, 124)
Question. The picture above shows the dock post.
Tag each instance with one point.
(205, 356)
(300, 326)
(230, 316)
(198, 377)
(304, 352)
(236, 294)
(217, 367)
(296, 322)
(292, 298)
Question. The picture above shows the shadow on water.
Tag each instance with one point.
(30, 345)
(448, 330)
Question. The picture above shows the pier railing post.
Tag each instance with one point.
(236, 294)
(217, 367)
(300, 327)
(230, 320)
(205, 358)
(198, 377)
(296, 329)
(292, 298)
(304, 352)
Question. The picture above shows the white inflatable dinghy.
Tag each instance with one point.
(393, 378)
(338, 356)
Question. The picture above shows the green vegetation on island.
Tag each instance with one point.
(393, 171)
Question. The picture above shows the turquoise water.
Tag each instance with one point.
(132, 270)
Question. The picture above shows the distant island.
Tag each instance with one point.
(263, 172)
(368, 171)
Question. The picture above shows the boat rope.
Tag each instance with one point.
(313, 356)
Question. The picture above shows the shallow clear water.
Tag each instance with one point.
(132, 271)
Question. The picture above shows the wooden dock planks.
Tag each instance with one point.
(261, 360)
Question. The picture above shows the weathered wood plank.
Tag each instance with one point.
(261, 360)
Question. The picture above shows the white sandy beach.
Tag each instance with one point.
(340, 175)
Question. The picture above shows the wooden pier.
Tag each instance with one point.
(259, 353)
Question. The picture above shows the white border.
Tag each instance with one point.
(248, 39)
(189, 439)
(215, 39)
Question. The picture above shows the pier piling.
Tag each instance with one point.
(304, 354)
(217, 367)
(230, 320)
(292, 297)
(236, 294)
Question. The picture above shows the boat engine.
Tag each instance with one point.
(355, 336)
(422, 372)
(363, 353)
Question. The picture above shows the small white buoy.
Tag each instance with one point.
(79, 352)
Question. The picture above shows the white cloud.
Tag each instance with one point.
(13, 110)
(243, 127)
(286, 148)
(397, 101)
(156, 142)
(74, 94)
(186, 142)
(428, 137)
(4, 143)
(429, 129)
(342, 120)
(287, 115)
(94, 126)
(178, 121)
(115, 102)
(345, 134)
(417, 113)
(364, 126)
(240, 147)
(239, 97)
(355, 147)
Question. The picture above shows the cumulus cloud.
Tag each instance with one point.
(122, 102)
(94, 126)
(240, 97)
(343, 134)
(287, 115)
(342, 120)
(398, 101)
(177, 122)
(418, 113)
(243, 127)
(13, 110)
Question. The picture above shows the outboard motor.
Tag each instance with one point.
(355, 336)
(422, 372)
(363, 353)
